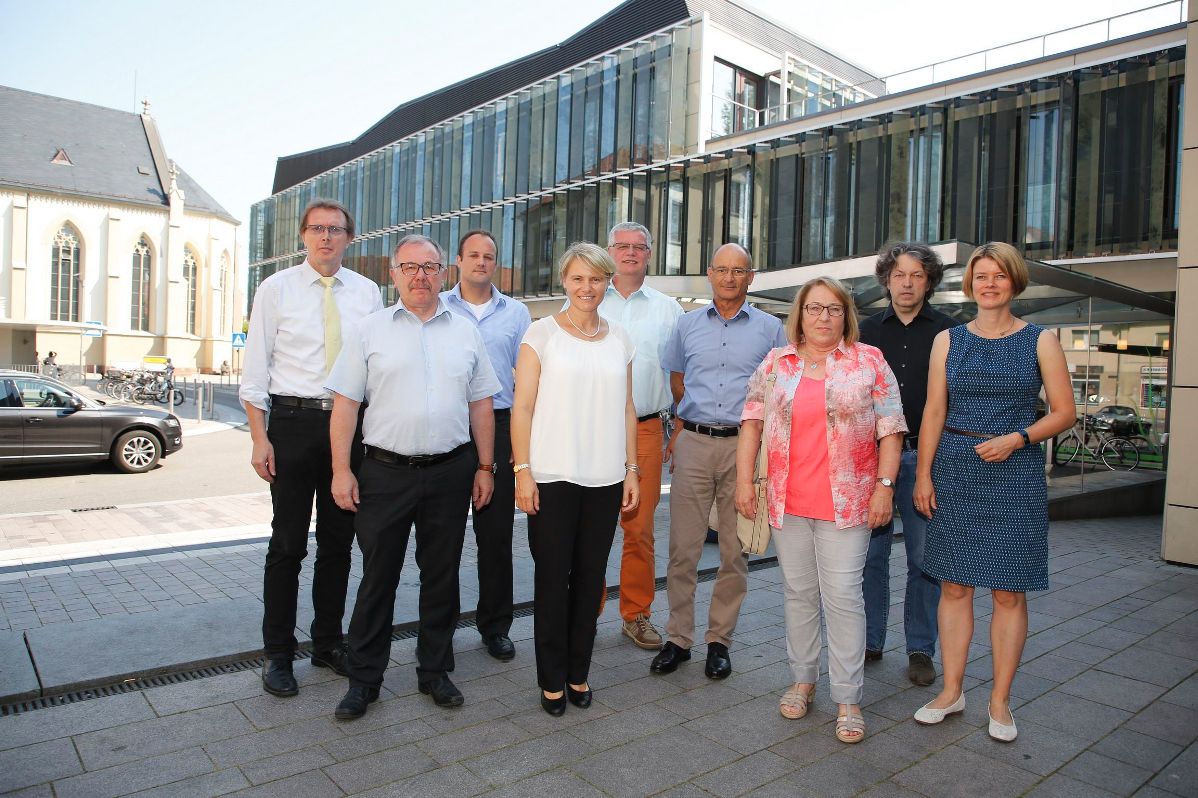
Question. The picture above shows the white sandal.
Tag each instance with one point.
(850, 727)
(796, 702)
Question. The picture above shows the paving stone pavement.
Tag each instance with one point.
(1106, 701)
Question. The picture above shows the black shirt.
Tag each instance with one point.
(908, 350)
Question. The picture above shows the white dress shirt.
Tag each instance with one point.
(284, 350)
(419, 378)
(649, 317)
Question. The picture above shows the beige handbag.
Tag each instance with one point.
(754, 534)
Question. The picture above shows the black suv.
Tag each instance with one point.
(44, 421)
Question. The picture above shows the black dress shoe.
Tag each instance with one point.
(353, 705)
(443, 691)
(872, 655)
(579, 698)
(669, 658)
(554, 706)
(277, 678)
(500, 647)
(719, 664)
(336, 659)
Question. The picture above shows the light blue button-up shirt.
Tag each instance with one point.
(502, 327)
(418, 378)
(716, 357)
(649, 317)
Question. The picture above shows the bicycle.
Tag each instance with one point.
(1092, 445)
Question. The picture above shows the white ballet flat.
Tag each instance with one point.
(930, 716)
(1001, 731)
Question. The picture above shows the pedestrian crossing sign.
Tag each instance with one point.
(239, 340)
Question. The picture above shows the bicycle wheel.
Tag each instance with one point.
(1119, 454)
(1066, 448)
(124, 392)
(141, 396)
(178, 393)
(1142, 444)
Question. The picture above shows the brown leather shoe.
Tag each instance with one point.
(642, 632)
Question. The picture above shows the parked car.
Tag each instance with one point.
(1121, 420)
(44, 421)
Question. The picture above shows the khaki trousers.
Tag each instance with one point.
(704, 472)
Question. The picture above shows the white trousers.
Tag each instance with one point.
(823, 565)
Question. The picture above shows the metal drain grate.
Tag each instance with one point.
(92, 509)
(404, 631)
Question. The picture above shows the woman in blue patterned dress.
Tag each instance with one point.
(980, 476)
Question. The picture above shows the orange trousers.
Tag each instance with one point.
(637, 566)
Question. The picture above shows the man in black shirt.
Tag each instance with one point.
(909, 273)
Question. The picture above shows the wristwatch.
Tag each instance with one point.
(887, 482)
(488, 467)
(516, 469)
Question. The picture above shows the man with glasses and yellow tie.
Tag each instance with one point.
(300, 318)
(429, 431)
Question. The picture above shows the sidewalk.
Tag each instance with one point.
(1106, 701)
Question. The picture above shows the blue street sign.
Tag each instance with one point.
(239, 340)
(93, 329)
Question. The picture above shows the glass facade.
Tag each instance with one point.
(1078, 164)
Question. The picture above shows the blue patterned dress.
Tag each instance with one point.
(990, 528)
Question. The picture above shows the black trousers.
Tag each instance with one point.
(570, 538)
(493, 535)
(393, 498)
(303, 469)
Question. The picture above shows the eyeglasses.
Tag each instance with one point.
(409, 269)
(321, 229)
(640, 249)
(816, 309)
(724, 271)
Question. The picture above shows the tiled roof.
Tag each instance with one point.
(109, 151)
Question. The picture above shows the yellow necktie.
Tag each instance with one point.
(332, 325)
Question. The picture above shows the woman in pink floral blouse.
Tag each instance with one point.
(833, 445)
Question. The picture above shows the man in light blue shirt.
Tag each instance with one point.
(429, 383)
(712, 354)
(649, 317)
(502, 321)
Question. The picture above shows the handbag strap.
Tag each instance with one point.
(762, 458)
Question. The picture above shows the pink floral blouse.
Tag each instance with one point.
(863, 405)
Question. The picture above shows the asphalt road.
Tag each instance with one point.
(216, 464)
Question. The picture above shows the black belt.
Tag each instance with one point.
(301, 401)
(648, 416)
(413, 460)
(503, 412)
(711, 432)
(983, 435)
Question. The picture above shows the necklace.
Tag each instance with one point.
(814, 364)
(990, 335)
(598, 324)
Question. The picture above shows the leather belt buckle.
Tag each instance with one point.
(711, 431)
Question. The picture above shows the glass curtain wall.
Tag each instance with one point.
(618, 111)
(1080, 164)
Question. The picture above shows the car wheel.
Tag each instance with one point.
(136, 451)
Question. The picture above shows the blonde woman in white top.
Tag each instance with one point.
(574, 447)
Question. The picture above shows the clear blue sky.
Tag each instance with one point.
(234, 85)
